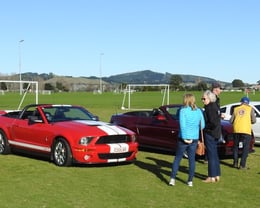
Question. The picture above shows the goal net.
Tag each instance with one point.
(143, 90)
(22, 86)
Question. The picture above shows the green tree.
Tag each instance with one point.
(26, 85)
(238, 83)
(3, 86)
(59, 86)
(48, 86)
(202, 86)
(175, 81)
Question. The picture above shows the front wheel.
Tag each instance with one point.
(4, 146)
(61, 151)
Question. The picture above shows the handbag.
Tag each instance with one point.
(201, 146)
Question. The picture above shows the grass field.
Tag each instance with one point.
(31, 182)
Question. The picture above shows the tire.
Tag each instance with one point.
(61, 153)
(4, 145)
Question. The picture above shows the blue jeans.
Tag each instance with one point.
(212, 155)
(245, 138)
(191, 150)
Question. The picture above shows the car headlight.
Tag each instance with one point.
(134, 138)
(85, 140)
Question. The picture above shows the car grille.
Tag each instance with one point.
(108, 156)
(112, 139)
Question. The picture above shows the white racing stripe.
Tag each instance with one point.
(108, 131)
(111, 130)
(32, 146)
(91, 123)
(106, 127)
(117, 129)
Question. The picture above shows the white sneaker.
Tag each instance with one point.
(172, 182)
(189, 183)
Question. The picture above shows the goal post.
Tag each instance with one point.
(130, 88)
(30, 83)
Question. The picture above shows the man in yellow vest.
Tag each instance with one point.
(242, 119)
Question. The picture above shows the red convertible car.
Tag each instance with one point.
(159, 129)
(66, 134)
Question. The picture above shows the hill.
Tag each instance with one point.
(93, 83)
(148, 76)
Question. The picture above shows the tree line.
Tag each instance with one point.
(177, 83)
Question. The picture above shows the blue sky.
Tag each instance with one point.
(219, 39)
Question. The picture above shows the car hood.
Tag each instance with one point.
(96, 127)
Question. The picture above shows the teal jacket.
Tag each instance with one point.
(191, 121)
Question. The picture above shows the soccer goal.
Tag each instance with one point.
(31, 86)
(132, 88)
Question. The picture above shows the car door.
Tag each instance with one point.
(31, 135)
(158, 131)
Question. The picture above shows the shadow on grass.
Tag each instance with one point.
(161, 168)
(156, 169)
(46, 158)
(223, 159)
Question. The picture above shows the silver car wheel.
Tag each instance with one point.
(61, 153)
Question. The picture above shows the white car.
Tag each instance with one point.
(228, 110)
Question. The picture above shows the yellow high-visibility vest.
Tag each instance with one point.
(242, 119)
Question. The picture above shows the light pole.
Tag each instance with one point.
(100, 71)
(20, 66)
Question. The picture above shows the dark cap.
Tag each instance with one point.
(216, 85)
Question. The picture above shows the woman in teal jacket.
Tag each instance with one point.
(191, 121)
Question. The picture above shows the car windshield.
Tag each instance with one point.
(67, 113)
(174, 111)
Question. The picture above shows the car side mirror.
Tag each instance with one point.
(95, 118)
(161, 117)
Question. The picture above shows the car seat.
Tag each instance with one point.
(59, 115)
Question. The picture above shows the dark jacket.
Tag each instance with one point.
(218, 101)
(212, 120)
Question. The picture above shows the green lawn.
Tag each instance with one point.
(106, 104)
(31, 182)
